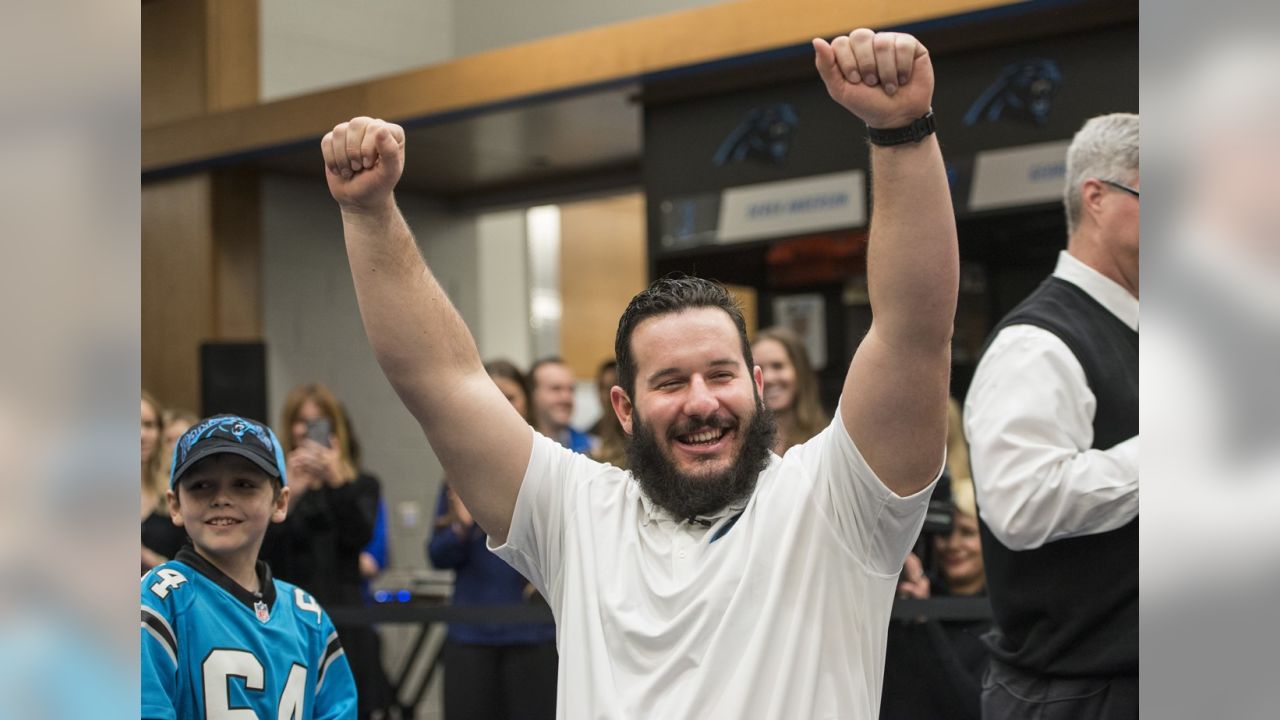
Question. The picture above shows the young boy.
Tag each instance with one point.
(220, 637)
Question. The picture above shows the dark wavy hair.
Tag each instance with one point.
(671, 294)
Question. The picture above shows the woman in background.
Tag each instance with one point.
(492, 671)
(332, 508)
(612, 445)
(175, 423)
(161, 539)
(790, 386)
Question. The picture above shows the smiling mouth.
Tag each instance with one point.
(222, 522)
(705, 437)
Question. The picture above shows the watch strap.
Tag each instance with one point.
(919, 129)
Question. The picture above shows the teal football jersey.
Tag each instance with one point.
(211, 649)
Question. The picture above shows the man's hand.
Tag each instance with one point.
(461, 515)
(886, 79)
(363, 159)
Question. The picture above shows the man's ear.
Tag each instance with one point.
(1091, 194)
(622, 407)
(281, 506)
(175, 510)
(758, 376)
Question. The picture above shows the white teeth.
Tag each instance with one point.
(222, 521)
(703, 437)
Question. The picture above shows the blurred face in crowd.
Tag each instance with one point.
(225, 503)
(514, 394)
(553, 395)
(699, 433)
(779, 374)
(308, 411)
(961, 555)
(172, 432)
(604, 385)
(150, 430)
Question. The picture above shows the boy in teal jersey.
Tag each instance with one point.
(220, 637)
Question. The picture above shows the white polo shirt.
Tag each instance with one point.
(784, 615)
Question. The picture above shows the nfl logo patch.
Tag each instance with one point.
(261, 609)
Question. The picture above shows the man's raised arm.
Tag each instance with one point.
(421, 342)
(894, 401)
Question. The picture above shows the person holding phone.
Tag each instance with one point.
(332, 510)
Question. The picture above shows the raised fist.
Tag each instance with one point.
(886, 79)
(363, 159)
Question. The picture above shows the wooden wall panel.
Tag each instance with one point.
(233, 57)
(198, 57)
(602, 265)
(177, 286)
(201, 234)
(237, 254)
(173, 61)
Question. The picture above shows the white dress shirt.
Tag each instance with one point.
(1028, 418)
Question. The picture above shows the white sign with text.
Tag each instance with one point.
(793, 207)
(1016, 176)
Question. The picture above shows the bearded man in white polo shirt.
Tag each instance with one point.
(715, 579)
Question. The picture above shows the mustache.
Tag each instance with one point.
(714, 422)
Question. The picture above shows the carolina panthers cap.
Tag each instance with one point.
(228, 434)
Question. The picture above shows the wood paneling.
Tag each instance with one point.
(177, 286)
(201, 234)
(604, 55)
(602, 265)
(231, 49)
(198, 57)
(237, 254)
(173, 61)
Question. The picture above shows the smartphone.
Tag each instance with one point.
(319, 430)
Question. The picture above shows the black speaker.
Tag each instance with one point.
(233, 379)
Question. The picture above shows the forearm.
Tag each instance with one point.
(1032, 495)
(418, 338)
(913, 265)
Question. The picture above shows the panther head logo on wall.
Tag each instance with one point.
(763, 135)
(1023, 93)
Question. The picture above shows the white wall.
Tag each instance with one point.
(503, 297)
(481, 25)
(309, 45)
(313, 333)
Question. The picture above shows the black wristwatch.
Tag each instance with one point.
(918, 130)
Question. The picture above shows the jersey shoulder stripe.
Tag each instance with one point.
(159, 628)
(332, 651)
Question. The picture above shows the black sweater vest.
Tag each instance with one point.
(1070, 607)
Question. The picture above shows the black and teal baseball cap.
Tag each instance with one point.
(233, 434)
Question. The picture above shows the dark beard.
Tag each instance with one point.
(686, 496)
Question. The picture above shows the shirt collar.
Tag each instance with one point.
(653, 511)
(267, 594)
(1106, 291)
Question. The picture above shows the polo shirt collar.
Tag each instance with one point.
(652, 511)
